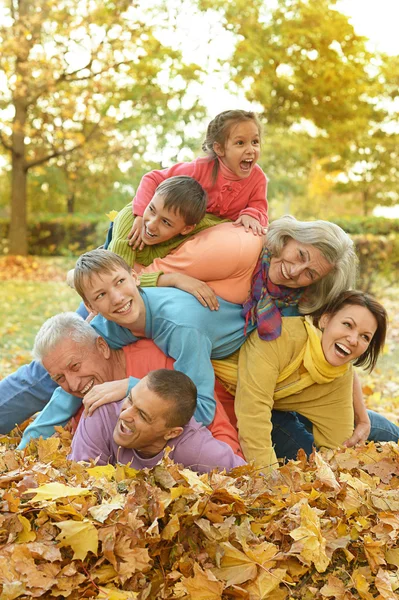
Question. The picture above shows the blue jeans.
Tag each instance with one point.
(26, 391)
(291, 431)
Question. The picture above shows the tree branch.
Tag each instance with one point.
(40, 161)
(4, 143)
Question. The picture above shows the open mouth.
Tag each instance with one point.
(342, 350)
(284, 271)
(124, 308)
(87, 388)
(246, 165)
(124, 428)
(149, 234)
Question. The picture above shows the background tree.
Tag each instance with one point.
(321, 95)
(77, 72)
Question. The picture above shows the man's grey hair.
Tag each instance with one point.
(58, 328)
(334, 244)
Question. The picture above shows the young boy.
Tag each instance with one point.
(173, 319)
(175, 213)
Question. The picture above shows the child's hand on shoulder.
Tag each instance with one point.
(250, 223)
(104, 393)
(134, 235)
(197, 288)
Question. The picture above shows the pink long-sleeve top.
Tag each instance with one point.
(228, 197)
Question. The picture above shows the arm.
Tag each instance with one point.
(191, 350)
(58, 411)
(203, 453)
(257, 206)
(93, 438)
(110, 391)
(258, 370)
(362, 421)
(199, 289)
(122, 227)
(151, 181)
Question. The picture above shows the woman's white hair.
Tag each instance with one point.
(334, 244)
(58, 328)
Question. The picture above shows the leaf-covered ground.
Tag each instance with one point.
(327, 528)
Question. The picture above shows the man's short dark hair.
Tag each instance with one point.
(178, 390)
(185, 196)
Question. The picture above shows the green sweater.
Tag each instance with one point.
(119, 243)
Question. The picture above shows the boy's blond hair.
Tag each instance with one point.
(95, 262)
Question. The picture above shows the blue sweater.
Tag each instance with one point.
(183, 329)
(188, 332)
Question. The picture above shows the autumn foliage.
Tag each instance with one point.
(323, 529)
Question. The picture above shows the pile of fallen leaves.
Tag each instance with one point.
(32, 268)
(327, 528)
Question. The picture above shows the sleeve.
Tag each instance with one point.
(258, 370)
(192, 353)
(93, 438)
(150, 279)
(133, 381)
(119, 243)
(203, 453)
(61, 407)
(257, 206)
(115, 335)
(151, 181)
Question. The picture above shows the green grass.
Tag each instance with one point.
(25, 307)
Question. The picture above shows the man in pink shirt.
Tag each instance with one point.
(156, 414)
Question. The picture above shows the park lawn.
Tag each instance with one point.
(27, 301)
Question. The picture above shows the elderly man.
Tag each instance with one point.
(157, 412)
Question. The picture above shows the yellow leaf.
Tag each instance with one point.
(172, 527)
(124, 472)
(309, 541)
(52, 491)
(203, 586)
(334, 587)
(102, 511)
(108, 471)
(392, 557)
(112, 215)
(26, 535)
(325, 473)
(383, 585)
(111, 593)
(195, 481)
(81, 536)
(265, 583)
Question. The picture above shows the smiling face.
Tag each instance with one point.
(116, 297)
(347, 334)
(77, 367)
(241, 151)
(298, 265)
(161, 224)
(142, 421)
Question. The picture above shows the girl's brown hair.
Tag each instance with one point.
(219, 129)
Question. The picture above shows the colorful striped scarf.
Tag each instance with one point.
(266, 300)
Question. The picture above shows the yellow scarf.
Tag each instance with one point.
(317, 369)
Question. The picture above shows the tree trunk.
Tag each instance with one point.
(71, 203)
(18, 227)
(365, 195)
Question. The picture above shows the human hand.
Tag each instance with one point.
(110, 391)
(197, 288)
(250, 223)
(360, 434)
(135, 234)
